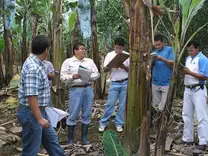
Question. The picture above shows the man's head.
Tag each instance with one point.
(119, 45)
(41, 46)
(79, 50)
(193, 48)
(159, 42)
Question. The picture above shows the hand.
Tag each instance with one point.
(158, 57)
(186, 71)
(122, 66)
(50, 76)
(44, 123)
(76, 76)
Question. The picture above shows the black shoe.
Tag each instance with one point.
(70, 134)
(84, 134)
(201, 147)
(187, 143)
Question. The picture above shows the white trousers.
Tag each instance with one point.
(195, 99)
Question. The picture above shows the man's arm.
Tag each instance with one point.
(168, 62)
(95, 74)
(33, 102)
(196, 75)
(124, 67)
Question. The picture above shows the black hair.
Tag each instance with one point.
(39, 44)
(119, 41)
(159, 38)
(194, 43)
(76, 46)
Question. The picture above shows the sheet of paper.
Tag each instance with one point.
(84, 73)
(118, 60)
(55, 115)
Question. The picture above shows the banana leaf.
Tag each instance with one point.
(112, 145)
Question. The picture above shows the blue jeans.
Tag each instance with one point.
(80, 99)
(33, 135)
(115, 92)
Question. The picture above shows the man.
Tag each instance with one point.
(161, 73)
(80, 92)
(196, 72)
(49, 71)
(118, 88)
(34, 96)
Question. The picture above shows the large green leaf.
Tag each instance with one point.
(192, 9)
(112, 145)
(72, 21)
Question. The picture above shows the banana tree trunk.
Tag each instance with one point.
(58, 51)
(1, 72)
(35, 25)
(24, 40)
(95, 50)
(8, 56)
(137, 87)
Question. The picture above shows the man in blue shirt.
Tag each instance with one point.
(196, 72)
(34, 96)
(161, 73)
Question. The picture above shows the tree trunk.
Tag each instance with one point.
(95, 50)
(8, 57)
(74, 38)
(138, 78)
(35, 25)
(1, 72)
(58, 51)
(24, 40)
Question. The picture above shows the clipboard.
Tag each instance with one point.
(118, 60)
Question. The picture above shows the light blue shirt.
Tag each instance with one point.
(196, 64)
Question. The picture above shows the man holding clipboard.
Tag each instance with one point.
(117, 63)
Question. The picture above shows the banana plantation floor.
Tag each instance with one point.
(10, 132)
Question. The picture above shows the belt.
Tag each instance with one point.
(194, 86)
(28, 107)
(80, 86)
(120, 81)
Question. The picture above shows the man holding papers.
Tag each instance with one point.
(78, 73)
(118, 87)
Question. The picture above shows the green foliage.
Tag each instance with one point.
(1, 44)
(112, 145)
(72, 21)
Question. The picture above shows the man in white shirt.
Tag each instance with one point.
(118, 88)
(196, 74)
(80, 92)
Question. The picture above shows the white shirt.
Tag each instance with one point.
(70, 67)
(116, 74)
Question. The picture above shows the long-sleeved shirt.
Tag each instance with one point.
(71, 66)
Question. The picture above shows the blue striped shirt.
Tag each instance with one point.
(34, 82)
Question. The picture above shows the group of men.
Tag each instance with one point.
(34, 93)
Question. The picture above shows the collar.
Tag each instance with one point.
(75, 59)
(37, 60)
(200, 52)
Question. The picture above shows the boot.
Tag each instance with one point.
(70, 134)
(84, 134)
